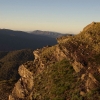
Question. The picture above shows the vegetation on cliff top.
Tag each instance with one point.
(57, 80)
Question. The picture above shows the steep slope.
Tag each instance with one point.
(9, 63)
(16, 40)
(69, 70)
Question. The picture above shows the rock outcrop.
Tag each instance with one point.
(82, 51)
(24, 86)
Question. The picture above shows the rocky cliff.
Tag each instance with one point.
(69, 70)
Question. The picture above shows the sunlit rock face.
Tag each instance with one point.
(24, 85)
(83, 53)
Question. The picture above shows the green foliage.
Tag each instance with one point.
(10, 62)
(57, 82)
(47, 54)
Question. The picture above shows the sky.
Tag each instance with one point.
(64, 16)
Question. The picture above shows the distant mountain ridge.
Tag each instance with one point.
(48, 33)
(16, 40)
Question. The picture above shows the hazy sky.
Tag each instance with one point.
(49, 15)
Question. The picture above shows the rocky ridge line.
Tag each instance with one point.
(79, 50)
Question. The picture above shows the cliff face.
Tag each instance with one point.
(51, 75)
(24, 86)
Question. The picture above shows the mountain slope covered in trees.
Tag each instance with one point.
(9, 64)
